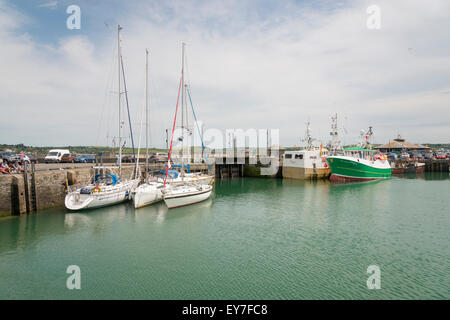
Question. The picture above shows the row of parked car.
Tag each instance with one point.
(64, 156)
(12, 157)
(419, 155)
(53, 156)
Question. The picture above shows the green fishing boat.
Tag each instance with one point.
(359, 163)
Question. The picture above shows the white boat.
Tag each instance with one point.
(107, 190)
(99, 195)
(305, 165)
(147, 193)
(186, 194)
(309, 163)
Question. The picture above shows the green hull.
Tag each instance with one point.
(352, 169)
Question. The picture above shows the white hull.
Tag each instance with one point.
(147, 193)
(186, 195)
(107, 196)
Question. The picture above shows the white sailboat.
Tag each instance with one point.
(110, 189)
(100, 195)
(185, 193)
(147, 193)
(151, 190)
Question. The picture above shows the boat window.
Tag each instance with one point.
(298, 156)
(288, 156)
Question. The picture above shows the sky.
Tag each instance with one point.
(250, 65)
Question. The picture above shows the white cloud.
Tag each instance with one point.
(248, 68)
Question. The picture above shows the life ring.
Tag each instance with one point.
(96, 189)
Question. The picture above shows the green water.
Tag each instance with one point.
(255, 239)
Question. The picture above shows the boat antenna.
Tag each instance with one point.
(369, 135)
(308, 138)
(362, 139)
(335, 143)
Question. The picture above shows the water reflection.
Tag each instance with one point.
(20, 233)
(437, 175)
(98, 219)
(102, 218)
(425, 176)
(310, 199)
(238, 186)
(318, 204)
(155, 212)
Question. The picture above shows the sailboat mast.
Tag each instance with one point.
(120, 108)
(182, 110)
(146, 110)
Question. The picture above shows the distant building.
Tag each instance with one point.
(399, 144)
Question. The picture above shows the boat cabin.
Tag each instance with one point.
(304, 158)
(363, 153)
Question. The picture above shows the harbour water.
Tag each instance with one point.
(255, 239)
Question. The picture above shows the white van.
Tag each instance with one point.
(55, 155)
